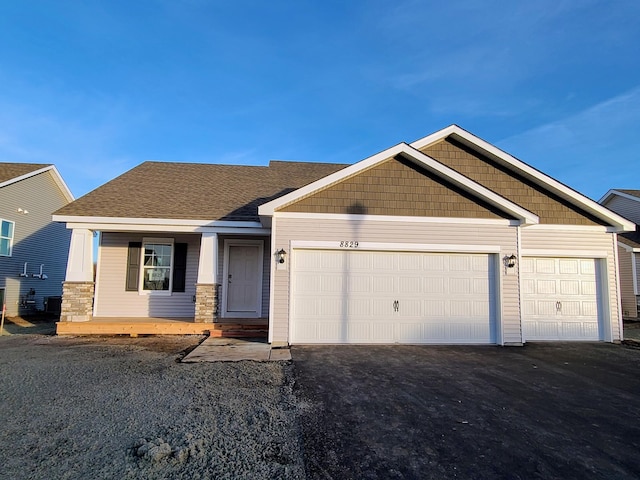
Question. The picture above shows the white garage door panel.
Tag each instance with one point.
(349, 297)
(560, 299)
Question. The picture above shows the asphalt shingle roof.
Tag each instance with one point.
(9, 171)
(635, 193)
(195, 191)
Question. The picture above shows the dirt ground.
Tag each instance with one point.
(119, 407)
(546, 411)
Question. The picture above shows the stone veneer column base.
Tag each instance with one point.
(206, 302)
(77, 301)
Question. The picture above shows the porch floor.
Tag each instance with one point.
(134, 326)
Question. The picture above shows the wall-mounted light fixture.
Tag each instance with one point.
(281, 255)
(510, 261)
(23, 211)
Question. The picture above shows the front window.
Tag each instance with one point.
(6, 237)
(156, 266)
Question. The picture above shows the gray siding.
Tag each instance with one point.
(111, 298)
(629, 209)
(566, 243)
(627, 292)
(37, 240)
(505, 237)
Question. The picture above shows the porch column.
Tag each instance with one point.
(78, 287)
(207, 287)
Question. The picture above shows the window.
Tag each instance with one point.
(156, 266)
(6, 237)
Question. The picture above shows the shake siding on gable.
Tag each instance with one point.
(289, 230)
(113, 301)
(395, 187)
(629, 305)
(37, 240)
(569, 243)
(490, 174)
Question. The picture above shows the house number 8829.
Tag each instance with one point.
(349, 244)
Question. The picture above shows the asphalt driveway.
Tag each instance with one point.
(556, 411)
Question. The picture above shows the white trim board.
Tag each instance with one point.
(390, 218)
(613, 192)
(395, 247)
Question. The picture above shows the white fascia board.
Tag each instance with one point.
(56, 176)
(268, 209)
(614, 192)
(153, 221)
(391, 218)
(469, 139)
(112, 227)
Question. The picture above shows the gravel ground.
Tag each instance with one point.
(126, 408)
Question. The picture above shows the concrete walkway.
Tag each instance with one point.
(236, 349)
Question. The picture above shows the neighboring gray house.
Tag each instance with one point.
(627, 204)
(33, 249)
(445, 240)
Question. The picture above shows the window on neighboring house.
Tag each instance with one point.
(156, 265)
(6, 237)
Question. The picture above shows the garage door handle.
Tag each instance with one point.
(396, 306)
(558, 306)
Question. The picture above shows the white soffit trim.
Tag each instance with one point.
(153, 221)
(395, 247)
(390, 218)
(613, 192)
(528, 171)
(417, 157)
(56, 176)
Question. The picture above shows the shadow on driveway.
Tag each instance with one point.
(547, 411)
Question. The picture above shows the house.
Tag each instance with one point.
(33, 249)
(627, 204)
(444, 240)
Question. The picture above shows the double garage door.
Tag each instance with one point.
(347, 296)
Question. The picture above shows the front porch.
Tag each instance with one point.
(134, 326)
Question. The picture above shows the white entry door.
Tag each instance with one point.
(560, 299)
(392, 297)
(243, 280)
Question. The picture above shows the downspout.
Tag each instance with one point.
(272, 279)
(519, 255)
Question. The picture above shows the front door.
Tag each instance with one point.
(244, 280)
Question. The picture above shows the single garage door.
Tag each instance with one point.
(561, 299)
(351, 296)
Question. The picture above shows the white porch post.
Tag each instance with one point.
(78, 287)
(80, 263)
(206, 286)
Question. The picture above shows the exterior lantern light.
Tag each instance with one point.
(511, 261)
(280, 255)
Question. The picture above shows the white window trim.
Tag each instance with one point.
(13, 235)
(156, 240)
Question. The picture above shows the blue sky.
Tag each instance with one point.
(99, 87)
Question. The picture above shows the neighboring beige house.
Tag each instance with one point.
(444, 240)
(33, 249)
(627, 204)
